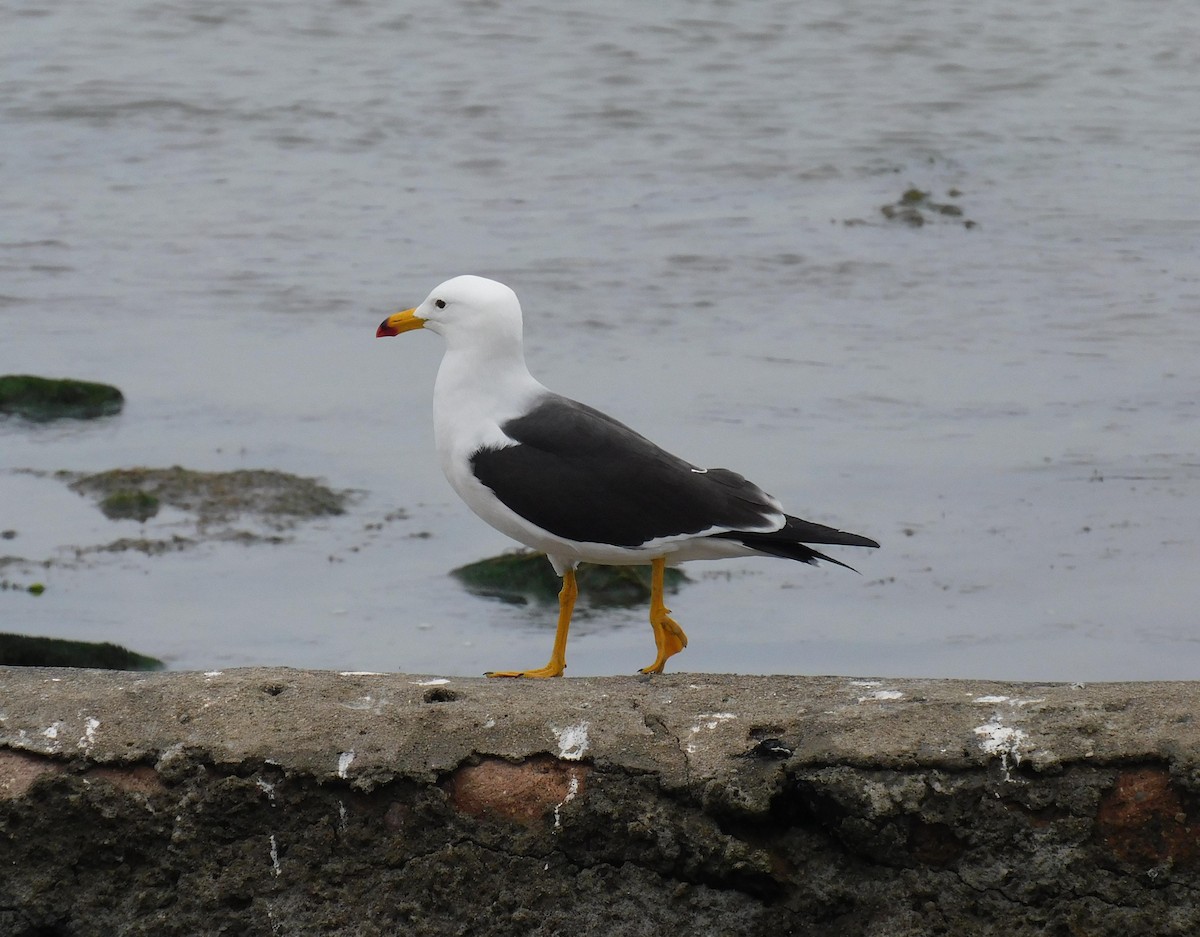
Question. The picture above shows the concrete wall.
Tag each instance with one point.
(280, 802)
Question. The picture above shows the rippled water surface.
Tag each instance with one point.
(212, 205)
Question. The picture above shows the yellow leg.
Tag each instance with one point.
(558, 656)
(668, 636)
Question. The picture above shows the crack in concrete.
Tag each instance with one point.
(659, 728)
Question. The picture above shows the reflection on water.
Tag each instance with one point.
(213, 207)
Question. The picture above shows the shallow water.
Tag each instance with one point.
(213, 205)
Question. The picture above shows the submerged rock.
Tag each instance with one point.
(130, 504)
(246, 507)
(279, 499)
(19, 650)
(43, 399)
(523, 576)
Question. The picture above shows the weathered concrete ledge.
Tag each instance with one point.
(281, 802)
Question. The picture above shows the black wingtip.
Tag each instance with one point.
(829, 559)
(804, 531)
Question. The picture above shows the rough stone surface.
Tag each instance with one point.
(280, 802)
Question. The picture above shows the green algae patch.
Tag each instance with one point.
(278, 499)
(130, 504)
(34, 588)
(19, 650)
(42, 399)
(523, 576)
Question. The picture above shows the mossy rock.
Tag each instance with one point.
(130, 504)
(525, 576)
(19, 650)
(278, 498)
(43, 399)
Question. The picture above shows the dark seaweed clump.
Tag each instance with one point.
(523, 576)
(19, 650)
(43, 399)
(916, 207)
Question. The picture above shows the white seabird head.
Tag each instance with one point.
(463, 309)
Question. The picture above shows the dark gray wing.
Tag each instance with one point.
(584, 476)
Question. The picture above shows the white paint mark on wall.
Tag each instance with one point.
(344, 761)
(996, 700)
(881, 696)
(707, 721)
(712, 720)
(995, 738)
(572, 790)
(50, 734)
(275, 867)
(572, 741)
(267, 788)
(88, 739)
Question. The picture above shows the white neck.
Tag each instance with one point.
(479, 386)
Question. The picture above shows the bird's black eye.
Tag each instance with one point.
(440, 303)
